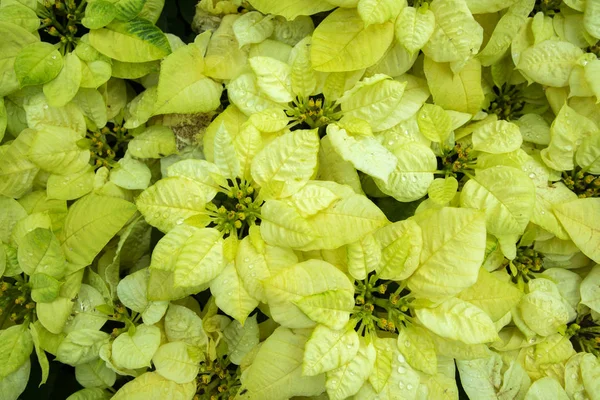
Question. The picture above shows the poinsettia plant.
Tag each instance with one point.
(341, 199)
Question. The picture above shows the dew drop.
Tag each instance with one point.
(390, 142)
(349, 345)
(401, 358)
(409, 386)
(138, 148)
(459, 32)
(45, 106)
(574, 376)
(549, 320)
(542, 212)
(532, 175)
(403, 178)
(532, 341)
(351, 373)
(584, 63)
(250, 266)
(54, 57)
(246, 259)
(401, 385)
(225, 282)
(414, 178)
(401, 370)
(569, 148)
(179, 221)
(407, 343)
(230, 294)
(253, 274)
(406, 132)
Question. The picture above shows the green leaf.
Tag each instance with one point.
(16, 171)
(40, 353)
(328, 349)
(200, 259)
(442, 190)
(414, 27)
(417, 347)
(291, 285)
(139, 41)
(434, 123)
(44, 288)
(94, 73)
(347, 379)
(252, 27)
(543, 312)
(550, 62)
(456, 35)
(90, 224)
(55, 150)
(14, 384)
(581, 220)
(37, 64)
(156, 141)
(366, 154)
(273, 78)
(16, 345)
(20, 15)
(177, 361)
(363, 256)
(507, 209)
(95, 374)
(183, 87)
(12, 213)
(342, 42)
(497, 137)
(131, 174)
(379, 11)
(459, 92)
(401, 244)
(39, 251)
(276, 372)
(458, 320)
(92, 105)
(182, 324)
(590, 289)
(14, 38)
(230, 294)
(224, 58)
(71, 187)
(377, 100)
(128, 9)
(98, 14)
(544, 387)
(450, 257)
(345, 221)
(149, 384)
(492, 295)
(480, 377)
(136, 350)
(53, 316)
(241, 339)
(329, 308)
(64, 87)
(81, 346)
(287, 163)
(413, 174)
(290, 9)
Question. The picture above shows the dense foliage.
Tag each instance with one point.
(368, 199)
